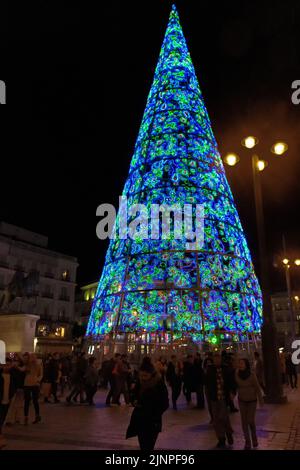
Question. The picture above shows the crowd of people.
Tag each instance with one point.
(217, 380)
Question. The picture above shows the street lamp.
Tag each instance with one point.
(231, 159)
(250, 142)
(274, 391)
(287, 267)
(279, 148)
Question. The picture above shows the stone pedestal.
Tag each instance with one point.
(17, 330)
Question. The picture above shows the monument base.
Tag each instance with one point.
(17, 330)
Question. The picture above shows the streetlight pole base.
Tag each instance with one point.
(274, 390)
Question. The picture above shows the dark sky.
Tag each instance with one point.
(78, 75)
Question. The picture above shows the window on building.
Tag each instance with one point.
(34, 266)
(61, 314)
(43, 330)
(65, 275)
(60, 332)
(64, 294)
(3, 262)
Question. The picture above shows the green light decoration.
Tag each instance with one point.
(157, 286)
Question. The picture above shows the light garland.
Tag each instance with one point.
(156, 285)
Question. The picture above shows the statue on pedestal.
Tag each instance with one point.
(19, 287)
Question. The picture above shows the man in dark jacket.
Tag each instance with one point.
(220, 386)
(151, 401)
(174, 377)
(78, 379)
(199, 381)
(111, 378)
(53, 371)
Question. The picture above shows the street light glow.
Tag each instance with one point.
(261, 165)
(249, 142)
(231, 159)
(279, 148)
(285, 261)
(296, 298)
(297, 262)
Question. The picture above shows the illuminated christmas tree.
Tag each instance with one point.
(157, 287)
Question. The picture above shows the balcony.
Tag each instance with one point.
(66, 298)
(49, 275)
(62, 319)
(48, 295)
(4, 264)
(20, 268)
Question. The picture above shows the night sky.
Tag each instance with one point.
(78, 76)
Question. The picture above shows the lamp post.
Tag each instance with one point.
(287, 267)
(274, 390)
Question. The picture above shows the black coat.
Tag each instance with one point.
(173, 378)
(192, 375)
(147, 414)
(12, 386)
(211, 382)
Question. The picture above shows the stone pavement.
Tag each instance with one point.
(79, 427)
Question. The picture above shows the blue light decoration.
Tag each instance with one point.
(158, 286)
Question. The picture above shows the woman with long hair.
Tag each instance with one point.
(151, 400)
(249, 392)
(33, 375)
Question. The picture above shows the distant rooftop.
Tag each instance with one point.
(35, 241)
(22, 234)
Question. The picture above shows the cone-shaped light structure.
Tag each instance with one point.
(157, 285)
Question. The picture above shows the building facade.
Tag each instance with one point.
(84, 300)
(51, 296)
(282, 316)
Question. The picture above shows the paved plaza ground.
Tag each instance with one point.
(80, 427)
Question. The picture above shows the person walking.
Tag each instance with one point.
(121, 373)
(15, 411)
(174, 377)
(78, 379)
(220, 387)
(259, 371)
(91, 380)
(8, 387)
(207, 363)
(199, 381)
(151, 401)
(33, 376)
(161, 367)
(188, 378)
(53, 376)
(65, 368)
(110, 366)
(249, 392)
